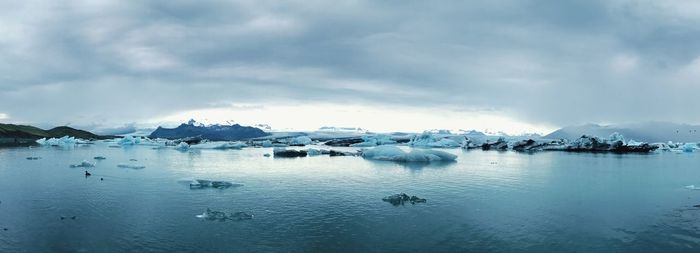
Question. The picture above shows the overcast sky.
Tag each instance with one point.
(504, 65)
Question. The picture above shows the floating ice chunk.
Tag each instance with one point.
(267, 143)
(83, 164)
(615, 137)
(301, 140)
(182, 146)
(65, 141)
(130, 166)
(374, 140)
(129, 140)
(689, 147)
(634, 143)
(428, 140)
(692, 187)
(213, 215)
(366, 143)
(393, 153)
(313, 152)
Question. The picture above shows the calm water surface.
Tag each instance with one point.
(484, 202)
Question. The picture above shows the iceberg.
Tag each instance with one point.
(300, 141)
(374, 140)
(429, 140)
(129, 140)
(616, 137)
(313, 152)
(500, 144)
(267, 144)
(615, 143)
(183, 146)
(393, 153)
(689, 147)
(65, 141)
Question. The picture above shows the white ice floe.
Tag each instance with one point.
(429, 140)
(65, 141)
(393, 153)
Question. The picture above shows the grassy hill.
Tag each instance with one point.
(11, 134)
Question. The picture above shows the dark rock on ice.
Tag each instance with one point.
(499, 144)
(281, 152)
(344, 142)
(342, 153)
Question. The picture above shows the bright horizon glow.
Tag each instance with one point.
(376, 119)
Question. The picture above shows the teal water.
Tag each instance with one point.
(484, 202)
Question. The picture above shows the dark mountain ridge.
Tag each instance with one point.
(11, 134)
(647, 132)
(213, 132)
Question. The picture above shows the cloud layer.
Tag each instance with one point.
(551, 62)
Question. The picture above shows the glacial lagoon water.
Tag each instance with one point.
(484, 202)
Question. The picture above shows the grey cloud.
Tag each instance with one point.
(558, 62)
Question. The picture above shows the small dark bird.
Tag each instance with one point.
(72, 218)
(63, 218)
(4, 229)
(102, 179)
(87, 174)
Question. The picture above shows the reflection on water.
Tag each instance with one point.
(484, 202)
